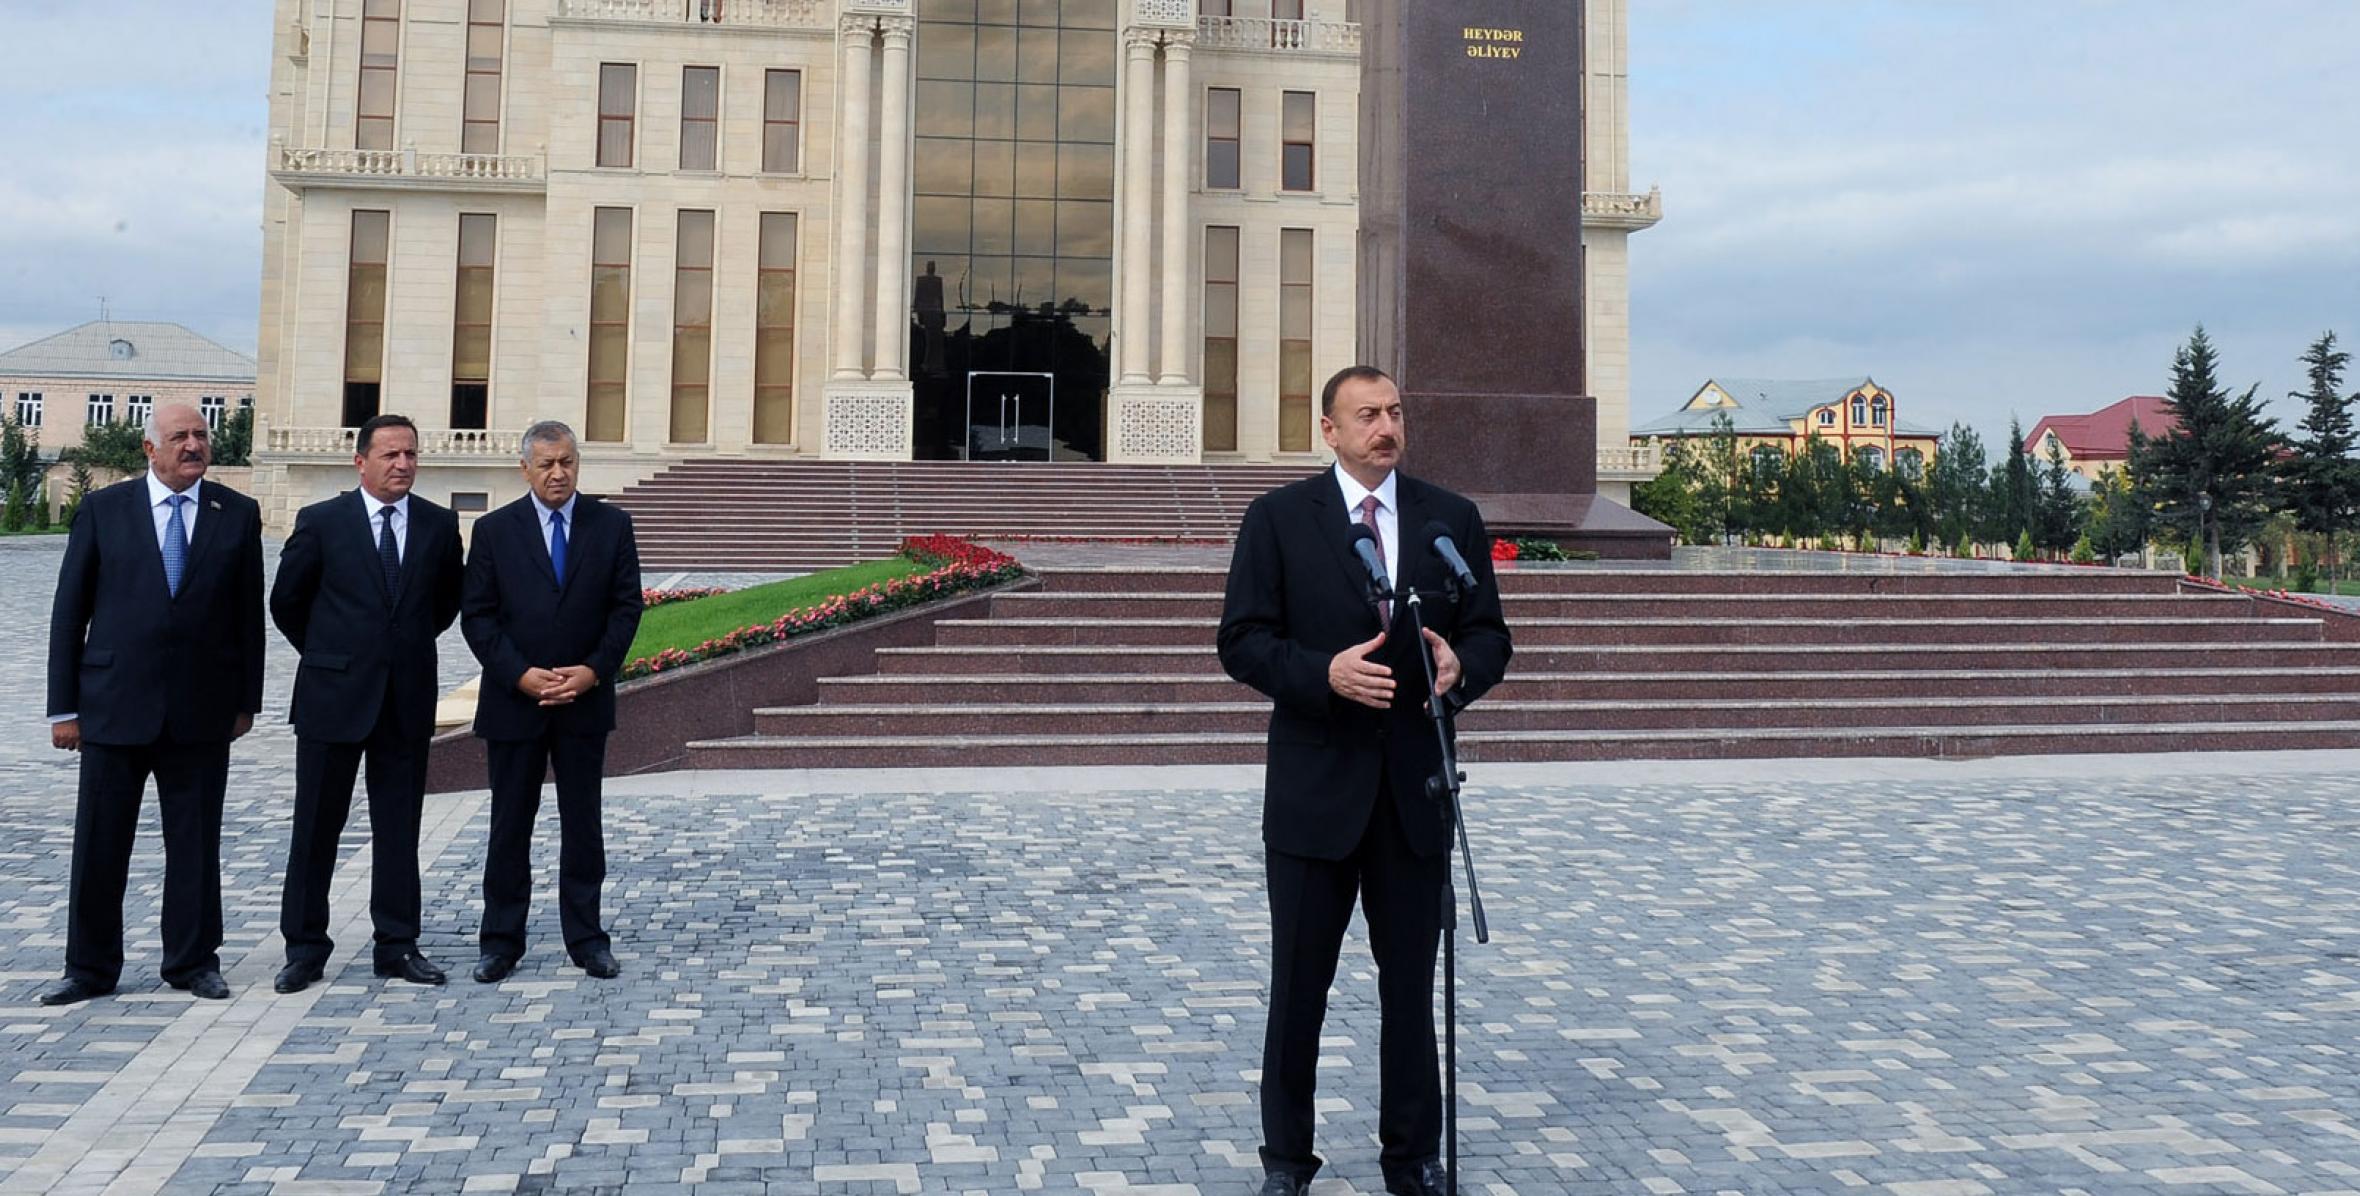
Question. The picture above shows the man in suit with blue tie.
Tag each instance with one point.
(155, 666)
(550, 605)
(366, 582)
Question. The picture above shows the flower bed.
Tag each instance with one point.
(958, 566)
(667, 597)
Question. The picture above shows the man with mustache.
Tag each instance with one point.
(155, 666)
(366, 582)
(549, 606)
(1345, 811)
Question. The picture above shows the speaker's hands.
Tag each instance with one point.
(1356, 678)
(1446, 662)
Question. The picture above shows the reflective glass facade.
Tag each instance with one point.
(1013, 225)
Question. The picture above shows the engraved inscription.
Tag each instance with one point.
(1483, 42)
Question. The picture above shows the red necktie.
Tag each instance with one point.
(1368, 519)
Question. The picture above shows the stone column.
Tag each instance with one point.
(1179, 158)
(893, 200)
(852, 197)
(1134, 329)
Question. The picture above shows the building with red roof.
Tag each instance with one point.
(2099, 443)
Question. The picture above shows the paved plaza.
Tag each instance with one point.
(2096, 975)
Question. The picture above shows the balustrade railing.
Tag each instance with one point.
(759, 14)
(1277, 36)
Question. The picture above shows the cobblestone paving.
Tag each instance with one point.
(2121, 976)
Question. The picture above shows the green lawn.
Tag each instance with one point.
(687, 624)
(2347, 589)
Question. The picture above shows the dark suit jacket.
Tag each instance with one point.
(1296, 597)
(516, 616)
(137, 663)
(359, 643)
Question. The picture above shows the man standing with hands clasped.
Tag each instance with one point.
(550, 605)
(1345, 812)
(155, 666)
(366, 582)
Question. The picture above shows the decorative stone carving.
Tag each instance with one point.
(878, 7)
(1158, 425)
(866, 422)
(1628, 212)
(1164, 14)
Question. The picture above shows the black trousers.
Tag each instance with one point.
(190, 781)
(324, 774)
(1311, 902)
(517, 766)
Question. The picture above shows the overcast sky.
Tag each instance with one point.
(1989, 206)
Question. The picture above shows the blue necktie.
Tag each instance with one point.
(175, 544)
(557, 544)
(389, 552)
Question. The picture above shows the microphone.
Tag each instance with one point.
(1364, 546)
(1437, 534)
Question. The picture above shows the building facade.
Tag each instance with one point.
(116, 371)
(1860, 418)
(1117, 230)
(2099, 443)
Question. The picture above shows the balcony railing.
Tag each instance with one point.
(719, 14)
(300, 167)
(433, 443)
(1636, 463)
(1339, 38)
(1629, 212)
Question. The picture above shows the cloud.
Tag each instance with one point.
(1994, 206)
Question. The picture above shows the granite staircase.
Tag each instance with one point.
(1112, 666)
(797, 516)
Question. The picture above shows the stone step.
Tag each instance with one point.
(1571, 717)
(1929, 740)
(1520, 605)
(1906, 684)
(1066, 659)
(1604, 580)
(1560, 632)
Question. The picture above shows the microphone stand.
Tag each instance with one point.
(1446, 784)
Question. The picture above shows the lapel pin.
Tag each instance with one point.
(216, 505)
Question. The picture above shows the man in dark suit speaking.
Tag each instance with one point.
(1345, 810)
(550, 605)
(366, 582)
(155, 665)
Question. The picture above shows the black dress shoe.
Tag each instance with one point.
(413, 967)
(493, 967)
(73, 989)
(1279, 1183)
(600, 963)
(1426, 1179)
(207, 985)
(297, 976)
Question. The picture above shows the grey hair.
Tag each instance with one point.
(154, 428)
(547, 431)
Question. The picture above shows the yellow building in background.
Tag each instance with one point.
(1860, 418)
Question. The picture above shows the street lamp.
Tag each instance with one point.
(2204, 541)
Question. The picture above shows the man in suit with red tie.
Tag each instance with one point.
(1345, 811)
(155, 666)
(366, 582)
(549, 606)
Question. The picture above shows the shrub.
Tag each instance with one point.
(2024, 549)
(2083, 553)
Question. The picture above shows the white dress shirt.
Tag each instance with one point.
(371, 504)
(1388, 515)
(159, 506)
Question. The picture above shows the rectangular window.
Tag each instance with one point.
(471, 328)
(479, 107)
(213, 407)
(101, 411)
(1220, 339)
(1294, 340)
(1222, 120)
(1286, 10)
(782, 121)
(364, 316)
(1298, 120)
(381, 38)
(692, 329)
(471, 502)
(610, 322)
(1214, 8)
(774, 331)
(700, 118)
(137, 407)
(28, 409)
(618, 98)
